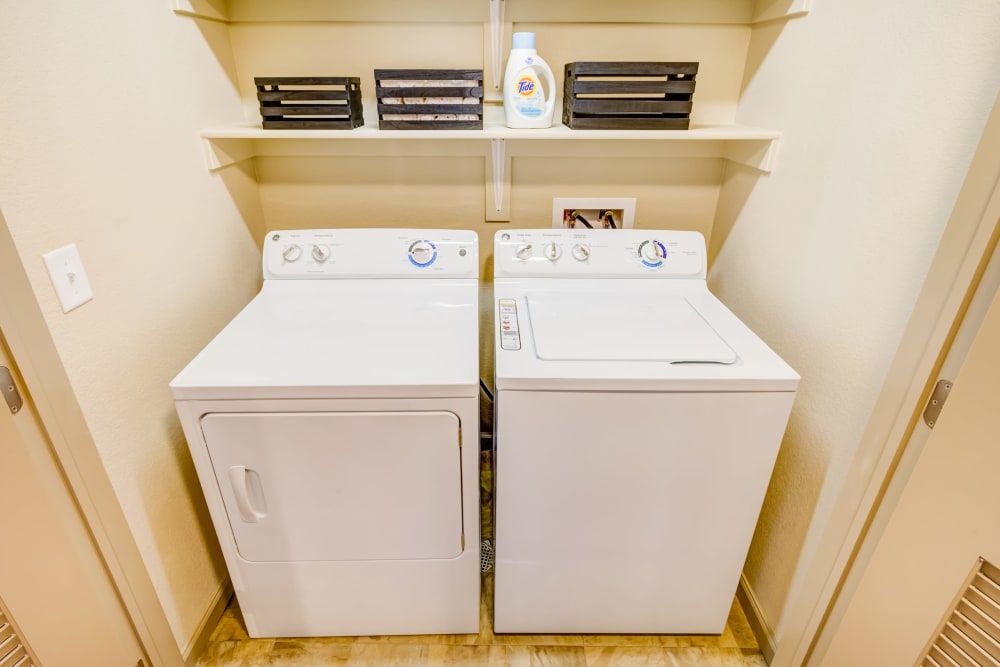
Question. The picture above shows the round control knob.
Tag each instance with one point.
(291, 253)
(553, 251)
(581, 251)
(321, 253)
(523, 252)
(653, 252)
(422, 253)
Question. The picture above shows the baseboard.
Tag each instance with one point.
(755, 617)
(197, 643)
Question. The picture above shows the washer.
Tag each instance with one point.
(328, 426)
(638, 421)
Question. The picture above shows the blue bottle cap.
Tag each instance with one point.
(524, 40)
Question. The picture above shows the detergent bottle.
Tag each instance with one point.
(524, 101)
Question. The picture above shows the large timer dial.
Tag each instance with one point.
(422, 253)
(652, 253)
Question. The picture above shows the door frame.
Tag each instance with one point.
(41, 369)
(52, 534)
(955, 364)
(884, 458)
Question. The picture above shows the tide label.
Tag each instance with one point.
(526, 86)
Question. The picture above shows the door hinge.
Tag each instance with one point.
(938, 397)
(9, 391)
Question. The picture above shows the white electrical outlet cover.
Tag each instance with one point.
(592, 205)
(68, 277)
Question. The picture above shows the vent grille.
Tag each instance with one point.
(13, 652)
(486, 555)
(970, 636)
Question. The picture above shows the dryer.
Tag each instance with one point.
(334, 428)
(637, 425)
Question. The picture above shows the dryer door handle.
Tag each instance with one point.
(247, 489)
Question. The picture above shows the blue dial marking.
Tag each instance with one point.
(425, 264)
(658, 263)
(421, 265)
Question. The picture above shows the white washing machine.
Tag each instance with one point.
(637, 424)
(334, 427)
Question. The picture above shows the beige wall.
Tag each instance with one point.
(98, 147)
(881, 106)
(343, 49)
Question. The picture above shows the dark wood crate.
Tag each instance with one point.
(415, 99)
(628, 95)
(301, 103)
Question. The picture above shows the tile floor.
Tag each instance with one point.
(229, 645)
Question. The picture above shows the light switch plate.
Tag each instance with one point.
(68, 277)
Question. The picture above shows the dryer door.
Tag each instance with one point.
(339, 485)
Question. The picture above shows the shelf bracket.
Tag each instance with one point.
(759, 154)
(221, 153)
(199, 9)
(496, 39)
(771, 10)
(498, 175)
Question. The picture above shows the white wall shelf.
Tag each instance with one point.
(517, 11)
(497, 144)
(256, 22)
(754, 147)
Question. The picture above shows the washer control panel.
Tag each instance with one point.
(510, 334)
(607, 253)
(370, 253)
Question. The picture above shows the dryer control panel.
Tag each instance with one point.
(370, 253)
(599, 253)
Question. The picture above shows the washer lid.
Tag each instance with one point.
(577, 327)
(627, 335)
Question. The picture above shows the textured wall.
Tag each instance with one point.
(98, 147)
(881, 106)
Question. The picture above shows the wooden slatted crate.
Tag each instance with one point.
(628, 95)
(299, 103)
(429, 99)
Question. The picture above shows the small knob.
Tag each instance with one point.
(523, 252)
(422, 252)
(581, 251)
(291, 253)
(653, 252)
(321, 253)
(553, 251)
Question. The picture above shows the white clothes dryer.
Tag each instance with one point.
(637, 425)
(334, 428)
